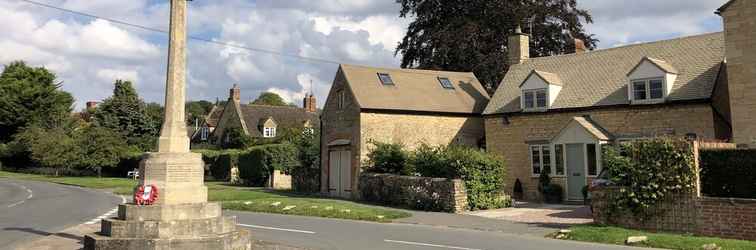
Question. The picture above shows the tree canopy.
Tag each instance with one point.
(269, 98)
(127, 113)
(197, 110)
(30, 96)
(471, 35)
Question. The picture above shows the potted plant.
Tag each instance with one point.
(518, 192)
(553, 194)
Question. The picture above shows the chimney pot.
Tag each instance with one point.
(235, 93)
(310, 104)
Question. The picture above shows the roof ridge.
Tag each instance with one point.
(407, 70)
(626, 46)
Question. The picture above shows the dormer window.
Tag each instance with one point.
(446, 83)
(539, 91)
(650, 81)
(385, 79)
(269, 132)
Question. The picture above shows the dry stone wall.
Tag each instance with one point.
(422, 193)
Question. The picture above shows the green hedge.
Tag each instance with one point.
(257, 163)
(729, 173)
(648, 171)
(483, 173)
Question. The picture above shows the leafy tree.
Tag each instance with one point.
(471, 35)
(269, 98)
(30, 96)
(127, 113)
(197, 110)
(99, 147)
(237, 139)
(55, 147)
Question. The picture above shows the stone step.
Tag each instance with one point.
(169, 212)
(163, 229)
(235, 240)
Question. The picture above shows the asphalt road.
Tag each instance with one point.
(319, 233)
(29, 210)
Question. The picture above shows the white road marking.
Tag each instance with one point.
(106, 215)
(277, 229)
(428, 245)
(31, 194)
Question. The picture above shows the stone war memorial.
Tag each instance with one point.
(180, 217)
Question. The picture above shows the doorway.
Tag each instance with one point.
(340, 173)
(576, 178)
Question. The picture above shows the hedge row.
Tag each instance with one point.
(729, 173)
(255, 164)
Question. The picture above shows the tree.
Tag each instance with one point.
(30, 96)
(197, 110)
(54, 147)
(269, 98)
(471, 35)
(127, 113)
(99, 147)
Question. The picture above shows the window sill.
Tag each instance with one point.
(535, 110)
(646, 102)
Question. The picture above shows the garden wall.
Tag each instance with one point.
(422, 193)
(684, 213)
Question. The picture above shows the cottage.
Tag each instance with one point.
(554, 113)
(261, 121)
(404, 106)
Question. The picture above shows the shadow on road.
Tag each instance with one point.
(43, 233)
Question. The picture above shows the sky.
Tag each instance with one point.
(88, 55)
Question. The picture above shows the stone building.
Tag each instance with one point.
(261, 121)
(555, 113)
(394, 106)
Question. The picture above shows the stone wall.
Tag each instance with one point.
(510, 136)
(740, 48)
(421, 193)
(684, 213)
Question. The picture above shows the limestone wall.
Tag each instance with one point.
(511, 137)
(422, 193)
(740, 49)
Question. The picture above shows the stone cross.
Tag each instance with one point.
(173, 135)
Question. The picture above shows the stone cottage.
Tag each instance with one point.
(394, 106)
(261, 121)
(555, 113)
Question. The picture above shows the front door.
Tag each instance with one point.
(340, 173)
(575, 171)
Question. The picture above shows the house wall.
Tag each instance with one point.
(511, 137)
(740, 49)
(340, 124)
(412, 130)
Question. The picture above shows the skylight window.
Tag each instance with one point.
(385, 79)
(446, 83)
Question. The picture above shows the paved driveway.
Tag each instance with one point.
(535, 213)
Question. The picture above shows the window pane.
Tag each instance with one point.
(385, 79)
(546, 152)
(541, 98)
(591, 148)
(446, 83)
(639, 90)
(656, 89)
(536, 159)
(559, 159)
(528, 99)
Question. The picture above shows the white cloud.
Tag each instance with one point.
(108, 75)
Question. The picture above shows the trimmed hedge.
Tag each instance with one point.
(256, 164)
(729, 173)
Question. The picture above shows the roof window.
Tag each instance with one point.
(446, 83)
(385, 79)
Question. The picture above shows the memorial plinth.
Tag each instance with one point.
(180, 218)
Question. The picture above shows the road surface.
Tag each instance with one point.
(30, 210)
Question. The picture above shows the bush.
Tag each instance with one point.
(224, 161)
(483, 174)
(257, 163)
(305, 177)
(387, 158)
(649, 171)
(433, 162)
(729, 173)
(553, 193)
(237, 139)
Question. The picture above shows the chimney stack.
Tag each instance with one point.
(235, 93)
(580, 46)
(310, 105)
(91, 105)
(518, 47)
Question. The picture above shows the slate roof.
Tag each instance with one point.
(547, 77)
(416, 90)
(593, 128)
(285, 117)
(599, 78)
(214, 116)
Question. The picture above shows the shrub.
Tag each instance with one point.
(237, 139)
(648, 171)
(257, 163)
(433, 161)
(224, 161)
(729, 173)
(305, 176)
(553, 193)
(483, 174)
(387, 158)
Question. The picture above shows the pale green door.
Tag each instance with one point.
(575, 171)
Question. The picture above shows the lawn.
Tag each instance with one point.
(615, 235)
(244, 198)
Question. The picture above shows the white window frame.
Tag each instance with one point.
(598, 158)
(269, 132)
(388, 77)
(444, 80)
(535, 99)
(540, 148)
(647, 88)
(204, 132)
(564, 160)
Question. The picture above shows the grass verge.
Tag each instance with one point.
(243, 198)
(617, 236)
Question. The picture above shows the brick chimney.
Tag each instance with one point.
(580, 46)
(92, 105)
(235, 93)
(310, 104)
(518, 47)
(740, 51)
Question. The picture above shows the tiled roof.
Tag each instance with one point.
(284, 116)
(416, 90)
(214, 116)
(599, 78)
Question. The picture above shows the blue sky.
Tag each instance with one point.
(88, 55)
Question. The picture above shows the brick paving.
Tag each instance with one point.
(534, 213)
